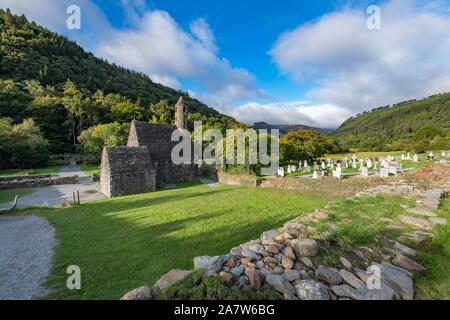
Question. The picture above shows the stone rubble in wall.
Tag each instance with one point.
(292, 264)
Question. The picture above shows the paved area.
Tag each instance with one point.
(54, 196)
(26, 250)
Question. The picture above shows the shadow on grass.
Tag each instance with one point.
(127, 242)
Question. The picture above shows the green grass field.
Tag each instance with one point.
(435, 256)
(27, 172)
(8, 195)
(123, 243)
(89, 169)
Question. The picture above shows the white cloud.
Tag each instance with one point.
(293, 112)
(52, 14)
(357, 68)
(158, 46)
(152, 43)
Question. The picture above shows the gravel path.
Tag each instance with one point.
(53, 196)
(26, 250)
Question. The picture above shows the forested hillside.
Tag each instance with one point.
(67, 91)
(417, 125)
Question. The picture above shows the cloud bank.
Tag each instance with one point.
(357, 69)
(348, 67)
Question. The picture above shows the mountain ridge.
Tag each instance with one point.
(285, 128)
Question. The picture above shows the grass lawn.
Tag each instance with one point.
(8, 195)
(90, 169)
(435, 256)
(126, 242)
(27, 172)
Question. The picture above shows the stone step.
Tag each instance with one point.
(421, 212)
(438, 221)
(416, 222)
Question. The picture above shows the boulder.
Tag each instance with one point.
(272, 249)
(397, 278)
(407, 264)
(254, 277)
(279, 283)
(351, 279)
(142, 293)
(171, 277)
(268, 237)
(345, 262)
(252, 255)
(287, 263)
(312, 290)
(328, 275)
(288, 252)
(236, 251)
(230, 263)
(210, 265)
(404, 249)
(307, 262)
(237, 271)
(292, 275)
(226, 276)
(305, 248)
(363, 293)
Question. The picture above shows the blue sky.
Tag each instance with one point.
(309, 62)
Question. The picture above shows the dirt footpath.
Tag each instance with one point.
(26, 250)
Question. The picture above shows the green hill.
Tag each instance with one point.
(413, 125)
(35, 65)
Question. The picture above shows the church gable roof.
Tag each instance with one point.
(119, 160)
(156, 137)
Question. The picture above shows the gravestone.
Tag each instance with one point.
(364, 172)
(384, 173)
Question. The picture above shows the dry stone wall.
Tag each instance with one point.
(35, 181)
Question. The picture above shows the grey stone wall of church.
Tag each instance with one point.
(126, 171)
(132, 183)
(169, 173)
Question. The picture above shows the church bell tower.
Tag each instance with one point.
(181, 114)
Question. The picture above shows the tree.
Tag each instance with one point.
(303, 145)
(95, 138)
(162, 111)
(76, 104)
(22, 145)
(13, 100)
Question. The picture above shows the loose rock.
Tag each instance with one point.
(305, 248)
(210, 265)
(328, 275)
(171, 277)
(408, 264)
(142, 293)
(345, 262)
(312, 290)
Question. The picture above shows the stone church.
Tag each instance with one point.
(145, 163)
